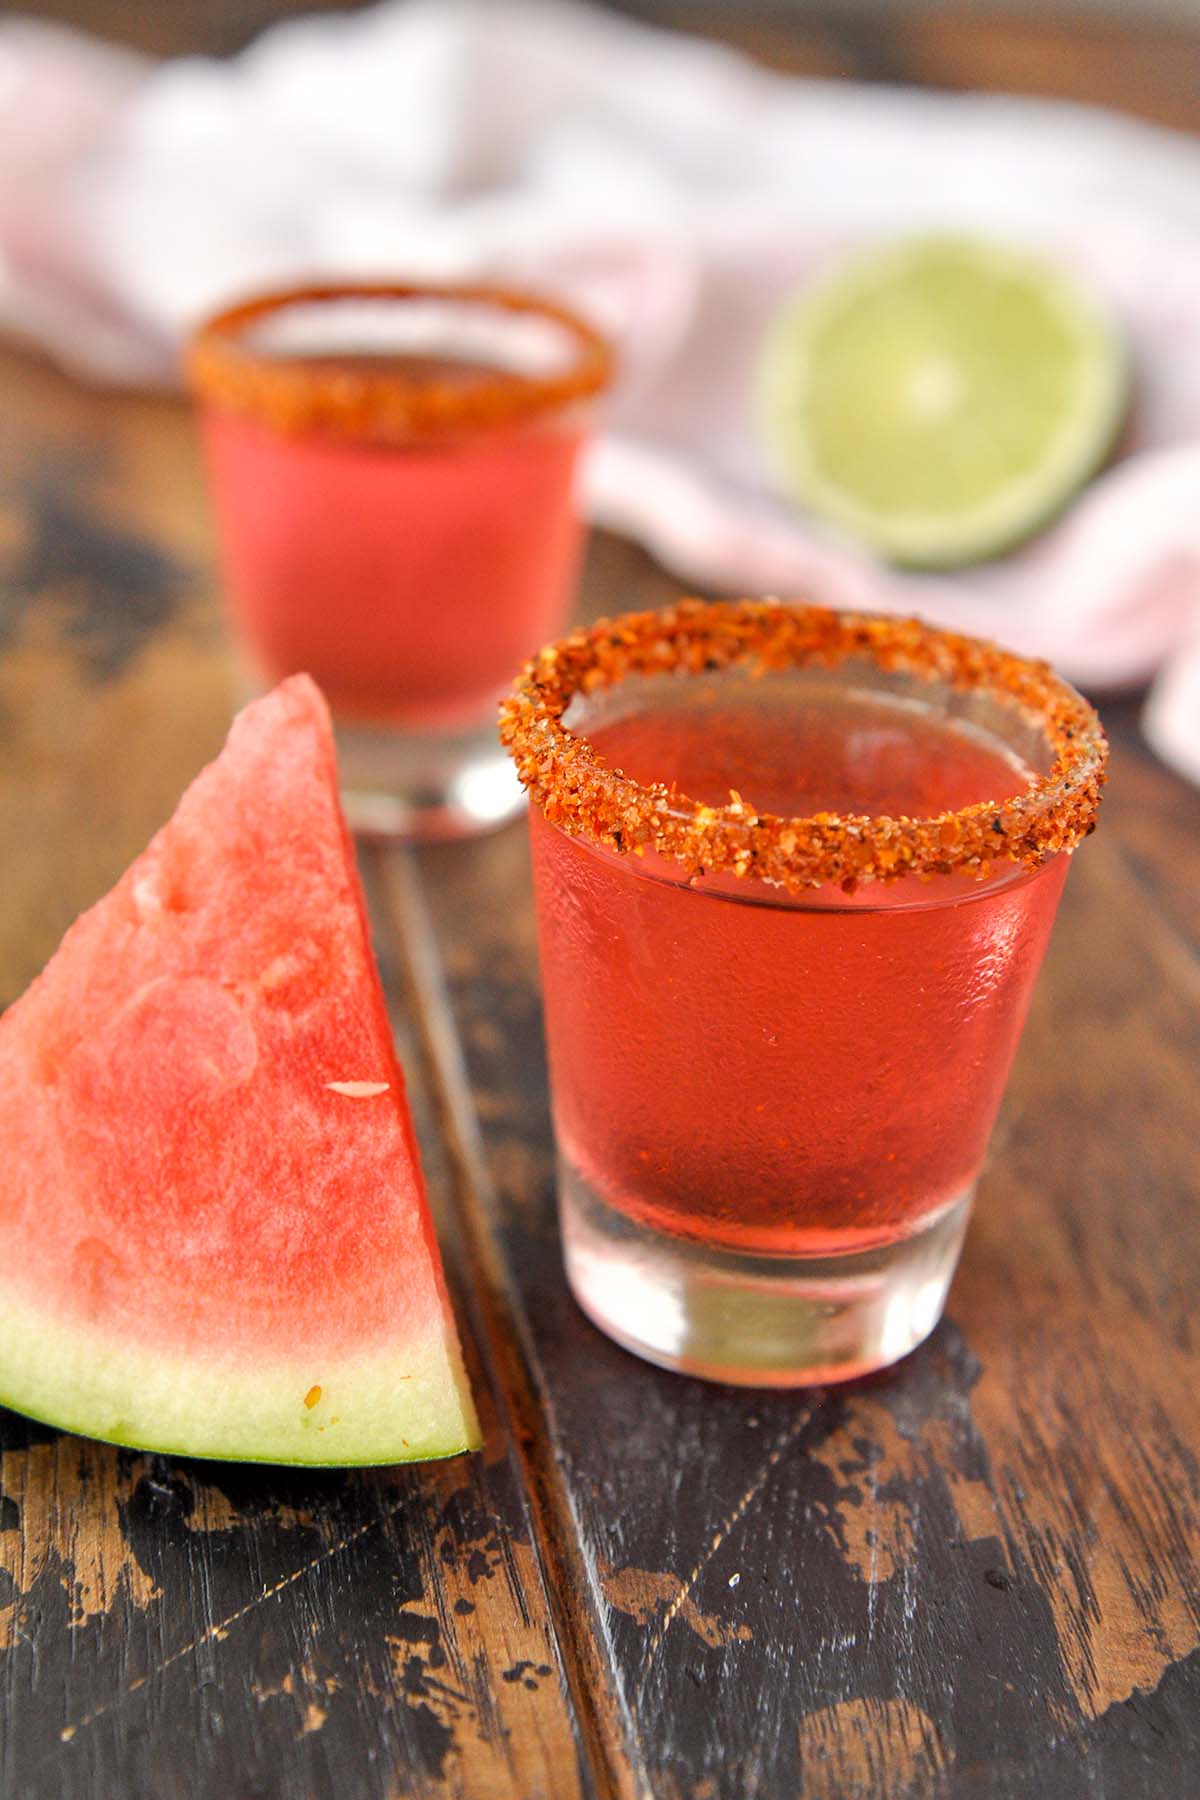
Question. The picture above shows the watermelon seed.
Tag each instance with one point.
(358, 1090)
(311, 1398)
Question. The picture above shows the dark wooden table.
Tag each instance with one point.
(977, 1576)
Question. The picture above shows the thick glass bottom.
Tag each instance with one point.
(755, 1321)
(425, 785)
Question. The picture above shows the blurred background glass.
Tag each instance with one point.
(685, 189)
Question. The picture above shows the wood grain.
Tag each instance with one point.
(179, 1628)
(604, 1725)
(1118, 59)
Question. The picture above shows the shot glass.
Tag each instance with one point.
(795, 874)
(393, 471)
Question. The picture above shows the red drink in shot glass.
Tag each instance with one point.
(393, 470)
(795, 873)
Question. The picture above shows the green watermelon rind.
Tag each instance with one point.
(219, 1456)
(188, 1381)
(162, 1402)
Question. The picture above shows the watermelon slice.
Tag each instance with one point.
(214, 1238)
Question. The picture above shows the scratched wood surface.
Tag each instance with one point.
(976, 1576)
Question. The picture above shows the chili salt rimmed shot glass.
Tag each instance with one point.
(393, 471)
(795, 874)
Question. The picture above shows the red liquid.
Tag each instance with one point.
(773, 1076)
(409, 582)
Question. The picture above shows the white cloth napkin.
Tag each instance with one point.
(678, 192)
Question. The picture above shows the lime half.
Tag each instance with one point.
(941, 397)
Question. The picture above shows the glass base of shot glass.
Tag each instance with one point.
(427, 786)
(755, 1321)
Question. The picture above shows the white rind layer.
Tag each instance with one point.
(388, 1404)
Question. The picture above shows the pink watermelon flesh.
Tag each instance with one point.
(214, 1237)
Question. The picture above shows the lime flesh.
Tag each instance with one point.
(941, 398)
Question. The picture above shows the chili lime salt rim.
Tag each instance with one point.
(290, 395)
(577, 790)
